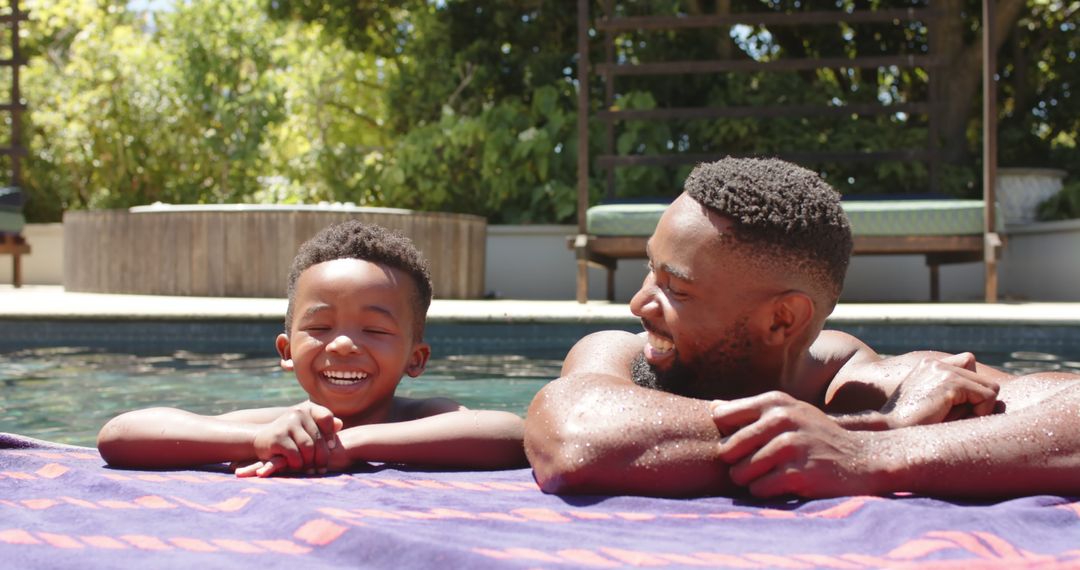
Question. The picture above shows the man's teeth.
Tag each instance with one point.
(660, 344)
(344, 378)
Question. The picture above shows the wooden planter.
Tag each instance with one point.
(246, 250)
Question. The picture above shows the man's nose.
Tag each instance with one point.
(644, 299)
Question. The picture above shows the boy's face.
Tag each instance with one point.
(352, 337)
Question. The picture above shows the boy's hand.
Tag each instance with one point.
(339, 460)
(299, 439)
(940, 390)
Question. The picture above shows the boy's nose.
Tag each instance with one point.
(342, 344)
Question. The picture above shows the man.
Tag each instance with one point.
(744, 268)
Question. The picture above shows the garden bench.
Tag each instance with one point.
(942, 230)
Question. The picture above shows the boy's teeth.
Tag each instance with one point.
(660, 344)
(343, 377)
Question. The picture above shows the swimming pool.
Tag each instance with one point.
(65, 395)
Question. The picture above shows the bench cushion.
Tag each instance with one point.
(868, 218)
(11, 222)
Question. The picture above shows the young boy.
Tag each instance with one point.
(358, 299)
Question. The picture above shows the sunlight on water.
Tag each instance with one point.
(67, 394)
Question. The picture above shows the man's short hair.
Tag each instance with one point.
(354, 239)
(782, 214)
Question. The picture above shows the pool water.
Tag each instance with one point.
(66, 394)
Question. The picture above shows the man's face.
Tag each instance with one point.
(352, 337)
(697, 305)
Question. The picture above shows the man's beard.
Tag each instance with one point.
(723, 372)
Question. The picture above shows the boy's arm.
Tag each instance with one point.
(595, 431)
(170, 438)
(471, 439)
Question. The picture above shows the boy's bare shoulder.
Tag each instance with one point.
(254, 415)
(406, 409)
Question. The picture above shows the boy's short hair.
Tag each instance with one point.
(353, 239)
(782, 213)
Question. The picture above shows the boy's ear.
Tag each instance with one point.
(418, 360)
(788, 316)
(283, 349)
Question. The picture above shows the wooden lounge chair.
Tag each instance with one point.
(16, 246)
(942, 230)
(11, 198)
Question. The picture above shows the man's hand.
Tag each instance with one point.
(779, 445)
(299, 439)
(938, 390)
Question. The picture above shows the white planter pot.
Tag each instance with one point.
(1021, 190)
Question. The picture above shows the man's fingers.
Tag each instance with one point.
(730, 416)
(965, 360)
(983, 400)
(771, 484)
(745, 441)
(760, 462)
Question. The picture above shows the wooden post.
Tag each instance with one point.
(992, 241)
(583, 145)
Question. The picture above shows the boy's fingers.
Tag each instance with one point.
(273, 465)
(326, 424)
(290, 452)
(322, 452)
(248, 470)
(304, 438)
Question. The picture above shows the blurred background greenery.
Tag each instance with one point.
(470, 105)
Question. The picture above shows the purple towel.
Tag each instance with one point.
(60, 507)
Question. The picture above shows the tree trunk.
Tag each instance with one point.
(957, 83)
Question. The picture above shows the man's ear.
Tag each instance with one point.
(282, 344)
(788, 316)
(421, 352)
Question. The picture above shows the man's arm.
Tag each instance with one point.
(594, 431)
(781, 446)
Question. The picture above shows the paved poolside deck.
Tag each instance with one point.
(54, 303)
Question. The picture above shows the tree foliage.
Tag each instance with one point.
(470, 105)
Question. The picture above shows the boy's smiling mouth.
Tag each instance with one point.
(344, 377)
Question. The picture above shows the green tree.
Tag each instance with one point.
(470, 105)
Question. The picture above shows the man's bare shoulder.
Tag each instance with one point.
(832, 347)
(833, 357)
(606, 352)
